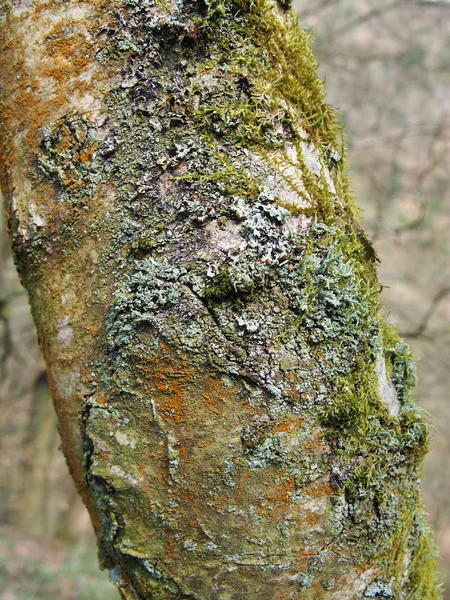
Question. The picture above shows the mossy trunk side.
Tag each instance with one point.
(233, 408)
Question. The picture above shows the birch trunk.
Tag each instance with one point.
(232, 407)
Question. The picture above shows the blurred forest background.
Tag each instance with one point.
(387, 66)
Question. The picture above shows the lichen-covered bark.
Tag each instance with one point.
(234, 410)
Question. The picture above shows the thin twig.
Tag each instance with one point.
(441, 294)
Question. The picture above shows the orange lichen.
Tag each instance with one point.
(170, 547)
(210, 404)
(288, 424)
(312, 518)
(321, 489)
(315, 444)
(91, 329)
(280, 492)
(241, 488)
(86, 155)
(172, 382)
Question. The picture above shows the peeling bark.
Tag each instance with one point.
(233, 409)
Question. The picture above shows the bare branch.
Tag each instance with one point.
(439, 296)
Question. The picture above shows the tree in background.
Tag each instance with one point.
(234, 410)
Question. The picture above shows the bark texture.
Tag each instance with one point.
(235, 412)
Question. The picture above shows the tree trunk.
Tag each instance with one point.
(232, 407)
(37, 496)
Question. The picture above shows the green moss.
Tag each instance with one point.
(144, 246)
(147, 245)
(267, 92)
(227, 178)
(294, 209)
(355, 401)
(400, 364)
(222, 287)
(422, 582)
(285, 60)
(379, 474)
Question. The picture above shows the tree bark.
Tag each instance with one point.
(234, 410)
(37, 495)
